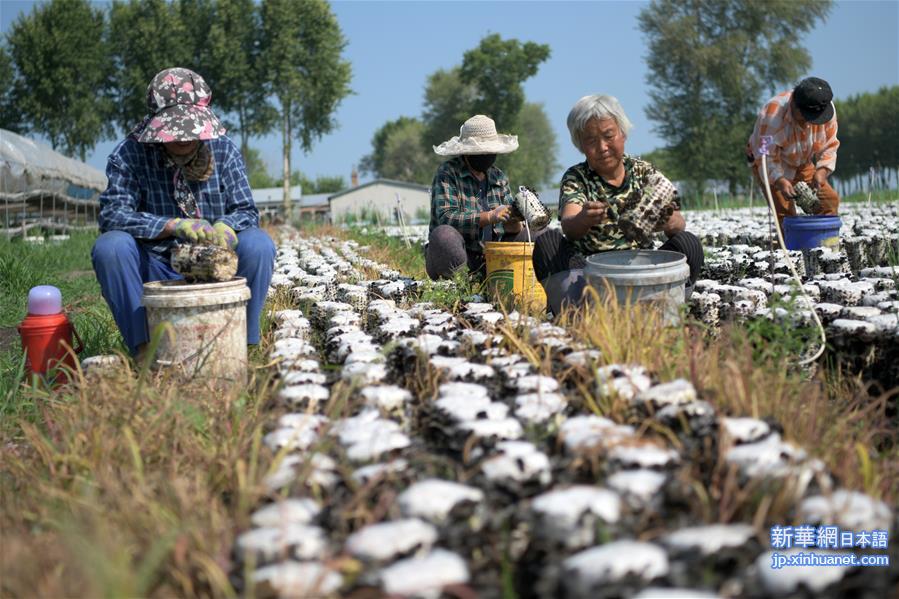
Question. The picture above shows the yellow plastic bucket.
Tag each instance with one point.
(510, 273)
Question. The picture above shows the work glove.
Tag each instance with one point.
(500, 214)
(224, 236)
(194, 230)
(806, 198)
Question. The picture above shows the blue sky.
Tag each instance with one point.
(596, 48)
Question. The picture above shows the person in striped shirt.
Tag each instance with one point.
(799, 130)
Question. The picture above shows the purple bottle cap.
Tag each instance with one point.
(44, 299)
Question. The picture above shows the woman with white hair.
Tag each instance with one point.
(470, 199)
(611, 201)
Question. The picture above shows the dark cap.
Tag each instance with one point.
(813, 99)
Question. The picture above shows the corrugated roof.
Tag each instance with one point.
(275, 195)
(404, 184)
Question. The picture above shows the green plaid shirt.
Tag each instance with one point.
(454, 199)
(581, 184)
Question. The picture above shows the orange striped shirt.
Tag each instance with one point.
(792, 146)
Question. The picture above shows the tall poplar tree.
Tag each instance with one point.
(63, 74)
(711, 65)
(10, 117)
(233, 67)
(146, 36)
(302, 45)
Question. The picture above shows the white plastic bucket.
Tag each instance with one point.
(206, 326)
(659, 276)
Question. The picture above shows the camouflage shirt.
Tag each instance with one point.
(580, 184)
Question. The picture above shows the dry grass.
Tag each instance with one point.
(129, 489)
(835, 417)
(131, 485)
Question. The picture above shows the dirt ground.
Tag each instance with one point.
(9, 338)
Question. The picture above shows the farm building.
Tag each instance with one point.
(378, 201)
(270, 201)
(313, 206)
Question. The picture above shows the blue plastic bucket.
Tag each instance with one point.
(801, 232)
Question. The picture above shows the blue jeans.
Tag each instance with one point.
(123, 266)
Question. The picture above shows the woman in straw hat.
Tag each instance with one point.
(470, 200)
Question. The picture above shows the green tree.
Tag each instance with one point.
(373, 164)
(147, 36)
(10, 117)
(62, 63)
(534, 162)
(710, 61)
(328, 184)
(302, 44)
(664, 160)
(850, 154)
(868, 130)
(497, 68)
(488, 82)
(398, 152)
(448, 102)
(321, 184)
(257, 172)
(406, 159)
(233, 65)
(199, 17)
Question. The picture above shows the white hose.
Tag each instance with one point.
(783, 246)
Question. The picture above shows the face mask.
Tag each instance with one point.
(481, 162)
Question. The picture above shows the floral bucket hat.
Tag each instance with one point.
(178, 100)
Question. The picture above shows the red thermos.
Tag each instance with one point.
(47, 334)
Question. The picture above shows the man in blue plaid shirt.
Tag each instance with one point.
(175, 177)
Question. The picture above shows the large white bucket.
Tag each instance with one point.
(659, 276)
(206, 327)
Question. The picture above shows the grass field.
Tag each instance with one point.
(727, 201)
(135, 485)
(66, 265)
(132, 485)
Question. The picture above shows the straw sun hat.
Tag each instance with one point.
(478, 136)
